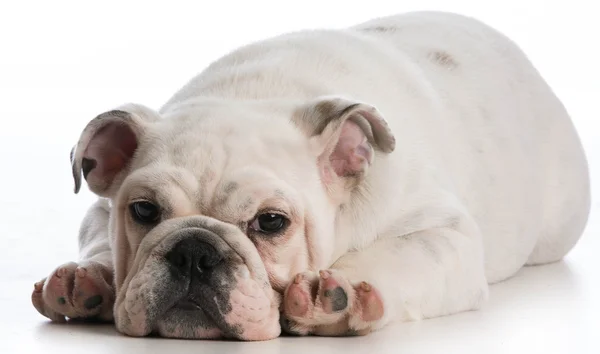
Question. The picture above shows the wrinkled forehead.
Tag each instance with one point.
(222, 161)
(219, 136)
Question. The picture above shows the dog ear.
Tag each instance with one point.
(345, 135)
(106, 147)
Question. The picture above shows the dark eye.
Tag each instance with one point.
(144, 212)
(269, 223)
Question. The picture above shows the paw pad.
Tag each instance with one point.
(332, 296)
(75, 291)
(326, 303)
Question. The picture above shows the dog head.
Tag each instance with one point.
(217, 205)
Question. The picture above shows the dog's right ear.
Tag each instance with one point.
(107, 145)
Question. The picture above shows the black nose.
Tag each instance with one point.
(191, 256)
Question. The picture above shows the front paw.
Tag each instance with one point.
(76, 291)
(327, 304)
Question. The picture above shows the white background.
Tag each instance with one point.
(62, 63)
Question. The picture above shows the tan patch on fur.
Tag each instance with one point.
(380, 29)
(444, 59)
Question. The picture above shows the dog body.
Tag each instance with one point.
(406, 163)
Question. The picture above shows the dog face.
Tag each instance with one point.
(217, 205)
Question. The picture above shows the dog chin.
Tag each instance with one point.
(188, 321)
(249, 316)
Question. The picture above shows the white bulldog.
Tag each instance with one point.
(325, 182)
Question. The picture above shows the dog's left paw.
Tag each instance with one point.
(327, 304)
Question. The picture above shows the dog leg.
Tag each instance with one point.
(82, 289)
(425, 274)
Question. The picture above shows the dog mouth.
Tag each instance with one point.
(193, 319)
(188, 305)
(242, 311)
(188, 320)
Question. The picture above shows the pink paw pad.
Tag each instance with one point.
(369, 302)
(60, 286)
(88, 295)
(297, 297)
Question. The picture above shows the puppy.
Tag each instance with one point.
(325, 182)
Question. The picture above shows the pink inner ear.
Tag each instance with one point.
(111, 149)
(352, 153)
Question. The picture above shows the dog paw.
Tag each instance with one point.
(328, 304)
(76, 291)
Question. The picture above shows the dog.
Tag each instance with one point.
(325, 182)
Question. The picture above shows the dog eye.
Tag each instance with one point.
(269, 223)
(144, 212)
